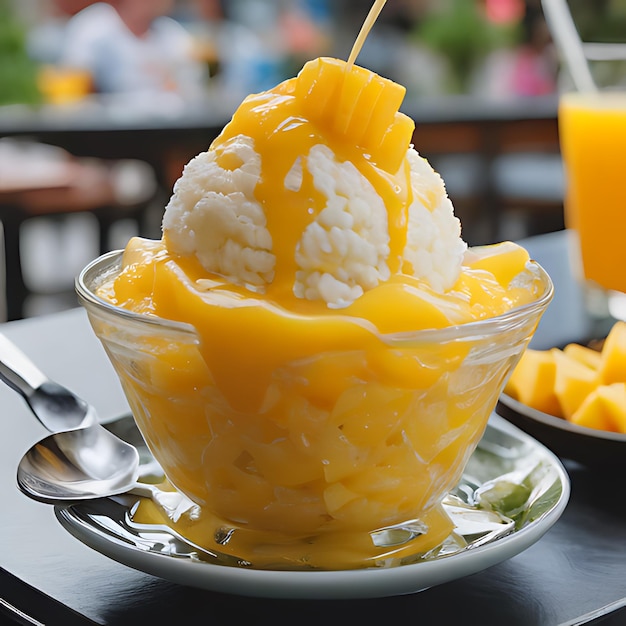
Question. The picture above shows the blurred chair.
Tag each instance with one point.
(501, 177)
(467, 186)
(45, 183)
(526, 179)
(529, 186)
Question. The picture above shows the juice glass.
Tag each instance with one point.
(592, 129)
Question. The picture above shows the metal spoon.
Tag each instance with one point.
(81, 459)
(79, 464)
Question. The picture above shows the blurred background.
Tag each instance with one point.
(102, 103)
(431, 46)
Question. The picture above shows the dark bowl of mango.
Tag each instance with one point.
(573, 399)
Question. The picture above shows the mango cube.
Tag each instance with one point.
(573, 382)
(359, 104)
(584, 355)
(532, 381)
(604, 409)
(585, 386)
(505, 261)
(613, 363)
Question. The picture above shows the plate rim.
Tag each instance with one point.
(335, 584)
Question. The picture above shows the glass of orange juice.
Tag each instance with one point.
(592, 130)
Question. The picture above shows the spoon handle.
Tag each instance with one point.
(56, 407)
(18, 371)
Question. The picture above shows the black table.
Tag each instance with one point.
(575, 574)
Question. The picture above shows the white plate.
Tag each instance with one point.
(505, 457)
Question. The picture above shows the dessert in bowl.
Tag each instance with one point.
(311, 351)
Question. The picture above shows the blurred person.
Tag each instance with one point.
(529, 68)
(133, 46)
(251, 45)
(47, 33)
(204, 19)
(304, 27)
(535, 68)
(239, 42)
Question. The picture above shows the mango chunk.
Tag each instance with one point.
(584, 355)
(585, 386)
(384, 115)
(358, 101)
(532, 381)
(358, 104)
(317, 87)
(613, 362)
(505, 261)
(604, 409)
(573, 382)
(337, 495)
(395, 143)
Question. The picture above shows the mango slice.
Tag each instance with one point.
(583, 385)
(573, 382)
(613, 363)
(532, 381)
(359, 104)
(584, 355)
(505, 261)
(604, 409)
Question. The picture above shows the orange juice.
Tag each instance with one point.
(593, 141)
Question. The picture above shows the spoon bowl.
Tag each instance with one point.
(90, 464)
(81, 459)
(78, 464)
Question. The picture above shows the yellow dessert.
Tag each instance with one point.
(341, 350)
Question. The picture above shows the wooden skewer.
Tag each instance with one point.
(371, 18)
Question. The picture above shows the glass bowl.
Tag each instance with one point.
(347, 458)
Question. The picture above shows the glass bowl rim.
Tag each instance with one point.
(108, 263)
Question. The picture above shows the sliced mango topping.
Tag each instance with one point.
(505, 261)
(357, 103)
